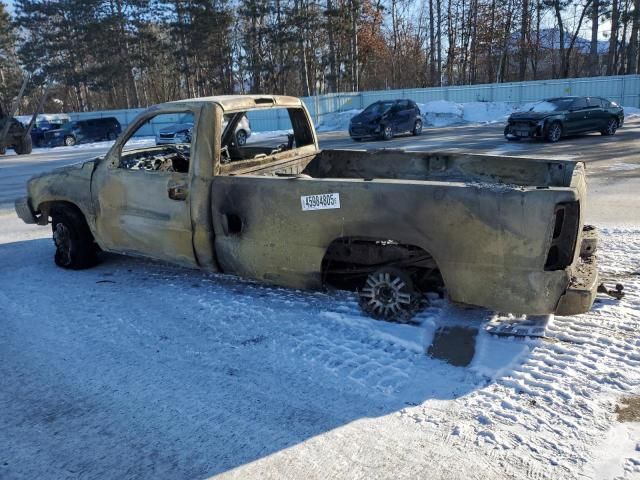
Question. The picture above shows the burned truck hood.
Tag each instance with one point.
(71, 183)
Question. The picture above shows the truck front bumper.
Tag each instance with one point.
(582, 290)
(24, 210)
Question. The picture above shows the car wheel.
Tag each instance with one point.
(241, 137)
(69, 141)
(75, 247)
(3, 150)
(554, 132)
(23, 146)
(112, 136)
(610, 129)
(417, 128)
(387, 133)
(389, 294)
(356, 139)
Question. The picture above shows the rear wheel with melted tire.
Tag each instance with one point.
(389, 294)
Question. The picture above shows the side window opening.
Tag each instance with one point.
(579, 104)
(161, 144)
(251, 135)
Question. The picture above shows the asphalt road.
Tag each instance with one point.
(613, 163)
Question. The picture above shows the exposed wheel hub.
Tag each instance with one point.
(388, 294)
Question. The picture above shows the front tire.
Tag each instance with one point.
(417, 128)
(554, 132)
(75, 246)
(610, 129)
(24, 146)
(69, 141)
(387, 132)
(241, 137)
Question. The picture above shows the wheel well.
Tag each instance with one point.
(349, 260)
(47, 208)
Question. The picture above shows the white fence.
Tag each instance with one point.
(624, 89)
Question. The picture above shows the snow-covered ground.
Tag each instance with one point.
(137, 369)
(441, 113)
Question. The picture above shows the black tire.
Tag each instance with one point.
(357, 139)
(23, 146)
(112, 136)
(387, 132)
(417, 128)
(3, 150)
(69, 141)
(389, 294)
(610, 128)
(75, 246)
(241, 138)
(554, 132)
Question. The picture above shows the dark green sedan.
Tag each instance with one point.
(557, 117)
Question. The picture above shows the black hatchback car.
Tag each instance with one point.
(83, 131)
(557, 117)
(386, 118)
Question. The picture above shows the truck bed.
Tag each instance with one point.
(417, 166)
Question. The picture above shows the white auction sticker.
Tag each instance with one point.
(323, 201)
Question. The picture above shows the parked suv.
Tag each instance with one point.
(182, 131)
(43, 126)
(556, 117)
(83, 131)
(386, 118)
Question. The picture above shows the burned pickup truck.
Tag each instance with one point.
(491, 231)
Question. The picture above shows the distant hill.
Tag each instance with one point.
(550, 40)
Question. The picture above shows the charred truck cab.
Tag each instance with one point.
(498, 232)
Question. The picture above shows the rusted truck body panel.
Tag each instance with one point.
(503, 232)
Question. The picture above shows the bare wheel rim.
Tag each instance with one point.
(612, 127)
(62, 239)
(555, 132)
(388, 296)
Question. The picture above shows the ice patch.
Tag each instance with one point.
(623, 166)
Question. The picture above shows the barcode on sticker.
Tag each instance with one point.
(323, 201)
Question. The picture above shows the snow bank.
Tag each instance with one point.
(631, 112)
(336, 121)
(442, 113)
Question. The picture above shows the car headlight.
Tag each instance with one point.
(57, 134)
